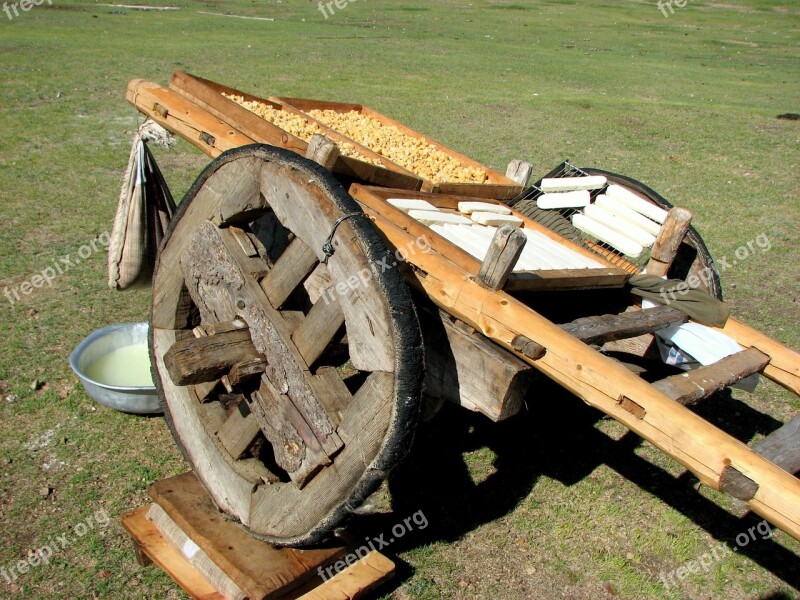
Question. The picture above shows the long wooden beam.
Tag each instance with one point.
(784, 364)
(604, 383)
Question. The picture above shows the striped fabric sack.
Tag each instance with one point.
(143, 213)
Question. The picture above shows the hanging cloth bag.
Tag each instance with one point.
(143, 213)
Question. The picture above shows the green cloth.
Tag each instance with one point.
(698, 304)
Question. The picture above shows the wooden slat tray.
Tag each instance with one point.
(209, 96)
(498, 186)
(373, 199)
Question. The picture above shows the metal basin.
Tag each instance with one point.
(137, 400)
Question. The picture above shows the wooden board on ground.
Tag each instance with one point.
(373, 200)
(293, 573)
(259, 569)
(152, 547)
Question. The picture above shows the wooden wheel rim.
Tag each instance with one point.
(253, 180)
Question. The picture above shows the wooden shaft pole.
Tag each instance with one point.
(323, 150)
(669, 241)
(507, 244)
(605, 384)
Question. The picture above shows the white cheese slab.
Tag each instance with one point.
(470, 207)
(576, 199)
(407, 204)
(431, 217)
(570, 184)
(487, 218)
(637, 203)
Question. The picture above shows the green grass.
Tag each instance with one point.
(686, 104)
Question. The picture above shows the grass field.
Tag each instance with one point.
(524, 509)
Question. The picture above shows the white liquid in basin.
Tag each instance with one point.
(128, 366)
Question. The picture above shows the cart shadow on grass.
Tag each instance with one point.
(436, 480)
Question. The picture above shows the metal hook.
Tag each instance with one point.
(327, 247)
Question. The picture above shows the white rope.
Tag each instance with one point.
(150, 131)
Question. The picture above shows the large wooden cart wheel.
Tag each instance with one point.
(287, 355)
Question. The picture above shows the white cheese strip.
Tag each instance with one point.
(545, 251)
(407, 204)
(527, 261)
(605, 234)
(620, 210)
(478, 234)
(457, 240)
(558, 254)
(430, 217)
(577, 199)
(470, 207)
(537, 253)
(569, 184)
(606, 217)
(637, 203)
(487, 218)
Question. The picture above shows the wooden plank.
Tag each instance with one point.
(601, 382)
(289, 270)
(213, 265)
(208, 95)
(315, 333)
(197, 360)
(178, 539)
(248, 369)
(507, 244)
(311, 215)
(607, 328)
(782, 446)
(784, 364)
(488, 191)
(361, 442)
(354, 581)
(183, 118)
(464, 367)
(519, 171)
(150, 542)
(323, 150)
(332, 393)
(294, 444)
(239, 430)
(258, 569)
(669, 241)
(692, 386)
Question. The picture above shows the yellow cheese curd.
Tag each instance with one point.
(296, 125)
(414, 154)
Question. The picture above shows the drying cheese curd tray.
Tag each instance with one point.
(558, 263)
(460, 174)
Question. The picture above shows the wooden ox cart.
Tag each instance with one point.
(300, 313)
